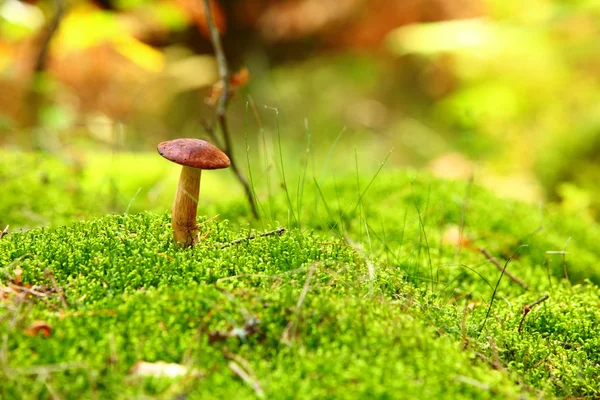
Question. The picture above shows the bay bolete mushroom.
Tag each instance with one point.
(194, 155)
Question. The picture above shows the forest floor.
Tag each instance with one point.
(390, 284)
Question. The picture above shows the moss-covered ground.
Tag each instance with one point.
(377, 288)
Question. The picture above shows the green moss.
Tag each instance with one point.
(54, 190)
(134, 296)
(399, 313)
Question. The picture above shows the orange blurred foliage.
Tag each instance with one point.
(346, 23)
(195, 9)
(236, 81)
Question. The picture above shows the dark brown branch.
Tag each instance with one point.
(49, 31)
(34, 99)
(215, 38)
(500, 268)
(527, 308)
(220, 111)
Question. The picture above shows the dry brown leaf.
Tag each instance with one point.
(39, 327)
(158, 369)
(240, 78)
(236, 81)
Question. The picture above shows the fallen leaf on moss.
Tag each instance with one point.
(39, 327)
(158, 369)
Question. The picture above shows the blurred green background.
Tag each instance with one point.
(502, 90)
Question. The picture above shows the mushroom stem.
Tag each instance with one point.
(183, 219)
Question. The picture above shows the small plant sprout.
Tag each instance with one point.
(194, 155)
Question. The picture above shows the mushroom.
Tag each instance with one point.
(195, 155)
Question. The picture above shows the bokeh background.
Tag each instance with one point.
(505, 91)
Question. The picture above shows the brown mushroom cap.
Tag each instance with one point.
(194, 153)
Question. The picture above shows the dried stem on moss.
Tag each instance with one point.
(502, 273)
(277, 231)
(248, 377)
(57, 289)
(527, 308)
(291, 330)
(220, 111)
(510, 276)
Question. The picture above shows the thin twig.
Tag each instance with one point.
(221, 108)
(58, 290)
(463, 214)
(472, 382)
(208, 128)
(277, 231)
(4, 232)
(422, 226)
(53, 394)
(370, 265)
(88, 313)
(17, 288)
(564, 260)
(485, 359)
(241, 372)
(11, 327)
(265, 276)
(497, 265)
(242, 361)
(293, 325)
(495, 361)
(38, 295)
(496, 288)
(496, 358)
(305, 288)
(45, 369)
(215, 39)
(527, 308)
